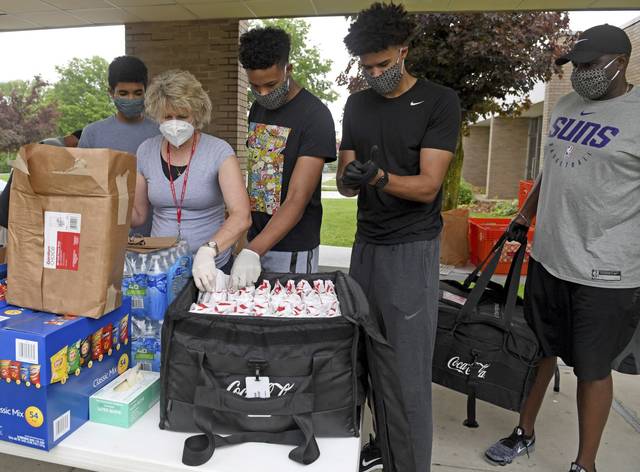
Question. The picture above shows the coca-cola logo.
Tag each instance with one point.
(465, 368)
(274, 388)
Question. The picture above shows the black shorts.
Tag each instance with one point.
(587, 327)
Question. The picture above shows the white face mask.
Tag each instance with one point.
(177, 132)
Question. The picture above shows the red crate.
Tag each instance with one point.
(483, 234)
(523, 191)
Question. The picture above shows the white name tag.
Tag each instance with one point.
(257, 388)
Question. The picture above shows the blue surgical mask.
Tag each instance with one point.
(129, 107)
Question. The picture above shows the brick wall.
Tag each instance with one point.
(476, 154)
(633, 71)
(507, 156)
(209, 50)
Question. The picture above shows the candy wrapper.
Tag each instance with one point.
(290, 287)
(282, 309)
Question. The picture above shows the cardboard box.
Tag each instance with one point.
(126, 399)
(49, 367)
(69, 218)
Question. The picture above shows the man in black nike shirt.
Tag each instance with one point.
(398, 139)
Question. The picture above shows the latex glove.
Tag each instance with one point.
(357, 174)
(204, 269)
(246, 269)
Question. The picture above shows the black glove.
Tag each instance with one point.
(357, 174)
(517, 231)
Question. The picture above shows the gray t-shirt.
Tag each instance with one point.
(589, 207)
(203, 207)
(112, 133)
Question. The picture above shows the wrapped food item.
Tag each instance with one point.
(300, 310)
(24, 374)
(202, 308)
(261, 309)
(97, 353)
(281, 309)
(250, 291)
(59, 366)
(225, 308)
(107, 339)
(290, 287)
(263, 290)
(4, 369)
(34, 375)
(85, 351)
(124, 330)
(318, 286)
(73, 358)
(303, 288)
(244, 308)
(278, 292)
(14, 371)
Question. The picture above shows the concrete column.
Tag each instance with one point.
(209, 50)
(476, 155)
(507, 156)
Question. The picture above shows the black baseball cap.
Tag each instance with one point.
(596, 42)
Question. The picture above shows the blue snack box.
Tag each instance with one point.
(49, 367)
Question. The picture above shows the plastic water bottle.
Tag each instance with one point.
(127, 274)
(156, 288)
(138, 288)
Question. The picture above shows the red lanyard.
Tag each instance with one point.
(184, 181)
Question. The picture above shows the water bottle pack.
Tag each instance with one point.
(153, 280)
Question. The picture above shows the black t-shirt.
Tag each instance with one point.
(426, 116)
(276, 138)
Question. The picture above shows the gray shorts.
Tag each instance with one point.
(297, 262)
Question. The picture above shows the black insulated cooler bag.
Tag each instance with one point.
(315, 368)
(484, 347)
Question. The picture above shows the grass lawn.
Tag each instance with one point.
(4, 177)
(338, 222)
(330, 185)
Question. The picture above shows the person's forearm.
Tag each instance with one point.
(530, 205)
(417, 188)
(231, 230)
(280, 224)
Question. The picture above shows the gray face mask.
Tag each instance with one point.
(131, 108)
(592, 83)
(388, 81)
(274, 99)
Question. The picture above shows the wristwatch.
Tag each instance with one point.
(213, 245)
(383, 180)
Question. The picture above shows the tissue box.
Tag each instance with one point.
(49, 367)
(123, 408)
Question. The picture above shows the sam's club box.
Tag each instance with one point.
(49, 367)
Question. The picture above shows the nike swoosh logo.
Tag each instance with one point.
(585, 113)
(413, 104)
(580, 40)
(366, 463)
(408, 317)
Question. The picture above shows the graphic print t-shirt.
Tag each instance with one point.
(589, 209)
(276, 139)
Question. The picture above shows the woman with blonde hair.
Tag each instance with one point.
(189, 177)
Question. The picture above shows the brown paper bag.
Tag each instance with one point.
(145, 245)
(69, 219)
(454, 246)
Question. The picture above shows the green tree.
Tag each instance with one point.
(309, 68)
(81, 94)
(492, 60)
(23, 116)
